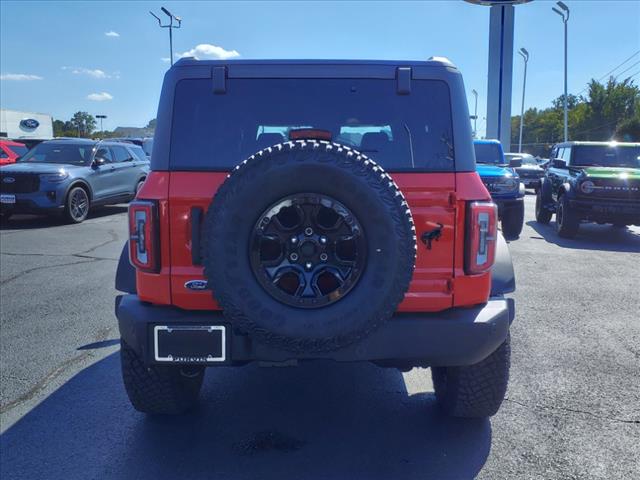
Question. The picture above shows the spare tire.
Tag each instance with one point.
(308, 246)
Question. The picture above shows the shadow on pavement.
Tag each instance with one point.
(592, 237)
(315, 421)
(30, 222)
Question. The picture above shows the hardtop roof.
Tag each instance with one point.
(431, 62)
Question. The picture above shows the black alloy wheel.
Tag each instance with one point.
(77, 207)
(307, 250)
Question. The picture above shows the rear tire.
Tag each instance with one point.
(512, 222)
(567, 223)
(477, 390)
(159, 390)
(543, 215)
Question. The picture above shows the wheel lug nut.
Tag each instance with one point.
(323, 240)
(293, 257)
(308, 231)
(308, 265)
(323, 257)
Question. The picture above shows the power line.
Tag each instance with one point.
(605, 75)
(612, 70)
(627, 69)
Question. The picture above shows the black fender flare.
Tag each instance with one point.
(126, 273)
(503, 279)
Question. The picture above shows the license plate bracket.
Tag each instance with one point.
(193, 344)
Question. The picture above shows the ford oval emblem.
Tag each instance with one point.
(197, 285)
(29, 123)
(8, 180)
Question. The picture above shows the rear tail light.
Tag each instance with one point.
(482, 230)
(143, 236)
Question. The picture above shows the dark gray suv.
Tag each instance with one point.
(70, 176)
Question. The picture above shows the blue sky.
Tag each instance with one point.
(57, 57)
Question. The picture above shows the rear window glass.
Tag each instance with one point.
(401, 132)
(139, 152)
(488, 153)
(18, 150)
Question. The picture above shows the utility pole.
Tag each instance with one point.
(525, 55)
(170, 26)
(101, 117)
(565, 19)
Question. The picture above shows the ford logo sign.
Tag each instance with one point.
(8, 180)
(197, 285)
(30, 123)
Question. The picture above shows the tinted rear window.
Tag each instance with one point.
(401, 132)
(488, 153)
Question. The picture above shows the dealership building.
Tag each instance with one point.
(25, 127)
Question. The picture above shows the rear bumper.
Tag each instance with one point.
(460, 336)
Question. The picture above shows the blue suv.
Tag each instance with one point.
(503, 183)
(70, 176)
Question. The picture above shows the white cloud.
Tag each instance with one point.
(100, 97)
(92, 72)
(208, 51)
(111, 33)
(19, 77)
(165, 59)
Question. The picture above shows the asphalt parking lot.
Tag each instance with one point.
(573, 406)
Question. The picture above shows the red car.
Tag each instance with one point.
(10, 151)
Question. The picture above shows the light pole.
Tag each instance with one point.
(170, 26)
(565, 19)
(475, 114)
(525, 55)
(101, 117)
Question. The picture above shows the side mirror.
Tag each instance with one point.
(559, 163)
(98, 161)
(515, 162)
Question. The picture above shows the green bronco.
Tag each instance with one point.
(591, 181)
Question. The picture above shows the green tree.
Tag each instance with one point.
(151, 124)
(83, 123)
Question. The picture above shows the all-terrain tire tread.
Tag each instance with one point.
(377, 179)
(475, 390)
(157, 390)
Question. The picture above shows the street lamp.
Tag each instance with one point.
(525, 55)
(170, 26)
(565, 18)
(101, 117)
(475, 114)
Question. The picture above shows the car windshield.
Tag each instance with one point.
(401, 132)
(606, 156)
(67, 153)
(528, 160)
(19, 150)
(490, 153)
